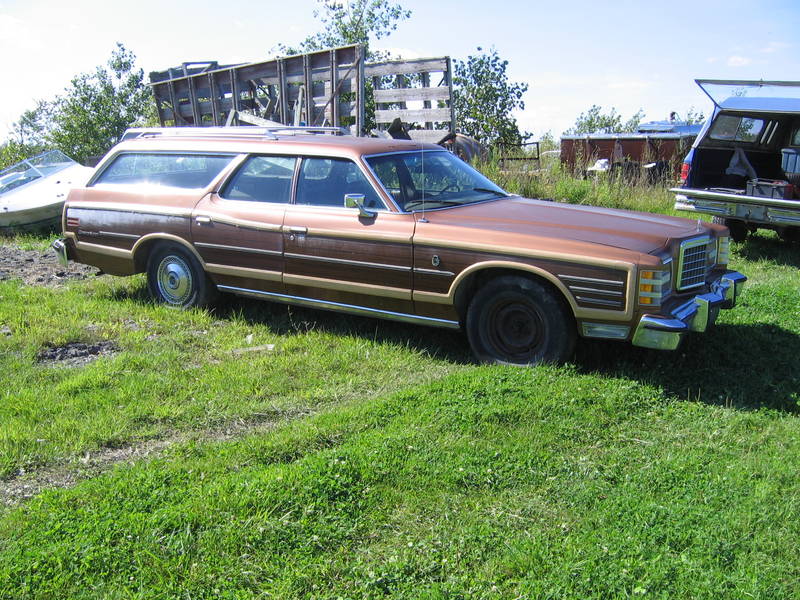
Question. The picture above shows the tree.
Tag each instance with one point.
(595, 121)
(353, 22)
(483, 99)
(94, 111)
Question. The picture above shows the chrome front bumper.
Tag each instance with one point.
(664, 332)
(61, 250)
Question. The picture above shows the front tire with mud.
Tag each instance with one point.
(175, 278)
(515, 320)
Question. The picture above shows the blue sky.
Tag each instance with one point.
(622, 54)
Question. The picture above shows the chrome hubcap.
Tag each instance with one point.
(174, 278)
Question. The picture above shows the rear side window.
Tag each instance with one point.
(262, 179)
(736, 129)
(325, 181)
(188, 171)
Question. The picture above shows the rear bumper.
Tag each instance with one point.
(61, 250)
(765, 211)
(665, 332)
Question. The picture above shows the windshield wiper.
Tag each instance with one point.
(441, 203)
(490, 191)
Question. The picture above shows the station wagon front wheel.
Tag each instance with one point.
(519, 321)
(175, 278)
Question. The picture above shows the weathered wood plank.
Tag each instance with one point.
(421, 115)
(412, 94)
(406, 67)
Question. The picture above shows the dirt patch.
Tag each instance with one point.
(34, 267)
(27, 484)
(76, 354)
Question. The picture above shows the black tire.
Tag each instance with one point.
(739, 229)
(175, 278)
(519, 321)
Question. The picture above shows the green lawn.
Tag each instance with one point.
(392, 465)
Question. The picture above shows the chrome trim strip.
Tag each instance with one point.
(615, 303)
(338, 306)
(738, 199)
(578, 279)
(344, 261)
(433, 272)
(238, 249)
(240, 223)
(129, 236)
(616, 293)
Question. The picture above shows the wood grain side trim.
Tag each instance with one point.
(242, 223)
(243, 272)
(344, 261)
(355, 288)
(578, 311)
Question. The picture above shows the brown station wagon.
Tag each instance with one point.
(393, 229)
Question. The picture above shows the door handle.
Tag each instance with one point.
(202, 220)
(298, 230)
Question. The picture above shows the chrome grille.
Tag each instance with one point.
(693, 263)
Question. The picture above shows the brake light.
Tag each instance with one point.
(685, 168)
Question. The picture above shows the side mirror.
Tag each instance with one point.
(357, 201)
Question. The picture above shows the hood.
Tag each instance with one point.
(640, 232)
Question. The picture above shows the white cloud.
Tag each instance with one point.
(774, 47)
(739, 61)
(712, 59)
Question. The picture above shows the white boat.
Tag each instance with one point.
(32, 192)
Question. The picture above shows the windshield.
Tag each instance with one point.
(32, 169)
(429, 179)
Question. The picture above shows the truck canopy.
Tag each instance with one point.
(760, 96)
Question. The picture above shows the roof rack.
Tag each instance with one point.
(270, 132)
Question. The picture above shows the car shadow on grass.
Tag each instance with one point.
(771, 249)
(287, 320)
(740, 366)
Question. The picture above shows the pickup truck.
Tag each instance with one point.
(744, 167)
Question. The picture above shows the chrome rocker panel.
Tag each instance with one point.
(664, 332)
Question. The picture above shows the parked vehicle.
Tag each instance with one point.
(744, 167)
(652, 153)
(394, 229)
(32, 191)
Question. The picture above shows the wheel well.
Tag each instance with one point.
(474, 281)
(143, 253)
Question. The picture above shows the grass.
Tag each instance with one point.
(395, 466)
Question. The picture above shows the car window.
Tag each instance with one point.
(738, 129)
(262, 179)
(190, 171)
(796, 137)
(325, 181)
(432, 179)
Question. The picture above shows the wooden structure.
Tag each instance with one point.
(403, 89)
(324, 88)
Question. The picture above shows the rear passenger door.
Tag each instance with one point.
(334, 256)
(237, 231)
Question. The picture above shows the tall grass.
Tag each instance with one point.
(557, 183)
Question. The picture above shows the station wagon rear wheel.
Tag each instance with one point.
(519, 321)
(175, 278)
